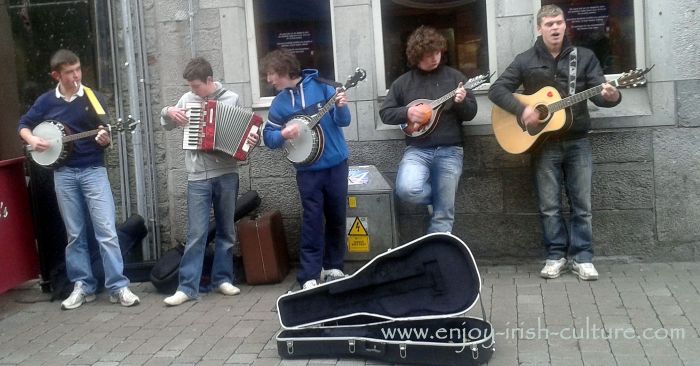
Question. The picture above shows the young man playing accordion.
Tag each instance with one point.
(212, 181)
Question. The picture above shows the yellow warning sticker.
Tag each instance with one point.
(352, 202)
(358, 239)
(357, 228)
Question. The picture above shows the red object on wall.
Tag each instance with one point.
(18, 257)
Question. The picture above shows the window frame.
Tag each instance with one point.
(383, 89)
(254, 58)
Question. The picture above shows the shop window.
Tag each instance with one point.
(462, 22)
(605, 26)
(302, 26)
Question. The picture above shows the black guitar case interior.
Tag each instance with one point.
(405, 306)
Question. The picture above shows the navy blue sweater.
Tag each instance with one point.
(76, 116)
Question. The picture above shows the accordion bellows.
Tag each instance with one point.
(221, 127)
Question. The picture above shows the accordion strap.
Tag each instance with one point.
(219, 93)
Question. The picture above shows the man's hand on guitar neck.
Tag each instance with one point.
(341, 100)
(460, 93)
(103, 137)
(610, 93)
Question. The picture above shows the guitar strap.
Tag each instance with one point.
(572, 71)
(94, 102)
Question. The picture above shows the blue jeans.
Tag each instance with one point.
(567, 163)
(221, 192)
(81, 192)
(430, 176)
(323, 196)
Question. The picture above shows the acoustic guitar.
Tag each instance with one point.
(554, 113)
(436, 107)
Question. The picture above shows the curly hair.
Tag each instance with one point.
(282, 62)
(424, 40)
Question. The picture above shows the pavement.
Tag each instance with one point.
(635, 314)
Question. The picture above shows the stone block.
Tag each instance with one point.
(519, 195)
(479, 193)
(623, 186)
(622, 146)
(278, 194)
(509, 8)
(688, 100)
(623, 233)
(516, 42)
(676, 53)
(171, 10)
(234, 45)
(677, 178)
(266, 162)
(385, 155)
(500, 235)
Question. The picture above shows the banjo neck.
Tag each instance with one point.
(81, 135)
(316, 118)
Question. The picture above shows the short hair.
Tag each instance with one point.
(422, 41)
(282, 62)
(198, 69)
(548, 11)
(63, 57)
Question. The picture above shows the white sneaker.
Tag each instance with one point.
(178, 298)
(309, 284)
(553, 268)
(77, 297)
(125, 297)
(228, 289)
(585, 271)
(331, 275)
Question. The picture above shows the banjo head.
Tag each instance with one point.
(53, 132)
(302, 148)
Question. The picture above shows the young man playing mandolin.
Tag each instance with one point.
(82, 186)
(564, 158)
(431, 166)
(323, 184)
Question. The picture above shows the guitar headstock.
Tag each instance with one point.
(632, 78)
(477, 80)
(359, 75)
(121, 125)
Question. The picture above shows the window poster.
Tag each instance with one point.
(587, 18)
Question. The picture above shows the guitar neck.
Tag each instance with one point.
(576, 98)
(81, 135)
(316, 118)
(443, 99)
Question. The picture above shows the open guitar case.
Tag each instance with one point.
(405, 306)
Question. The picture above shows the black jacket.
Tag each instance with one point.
(418, 84)
(536, 68)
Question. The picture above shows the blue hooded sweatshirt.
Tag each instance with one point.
(306, 98)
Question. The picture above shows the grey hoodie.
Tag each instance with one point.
(200, 164)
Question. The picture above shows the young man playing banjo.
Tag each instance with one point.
(431, 166)
(566, 157)
(323, 184)
(81, 183)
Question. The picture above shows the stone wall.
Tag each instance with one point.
(646, 194)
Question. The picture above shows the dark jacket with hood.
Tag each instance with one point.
(536, 68)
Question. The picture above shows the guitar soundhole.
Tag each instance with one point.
(543, 112)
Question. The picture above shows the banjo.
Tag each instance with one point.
(61, 142)
(308, 147)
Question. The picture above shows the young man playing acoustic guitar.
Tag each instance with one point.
(566, 157)
(323, 184)
(431, 166)
(82, 186)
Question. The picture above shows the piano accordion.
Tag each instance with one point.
(221, 127)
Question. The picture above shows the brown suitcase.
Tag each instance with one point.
(264, 248)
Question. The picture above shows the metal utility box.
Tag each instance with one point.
(371, 215)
